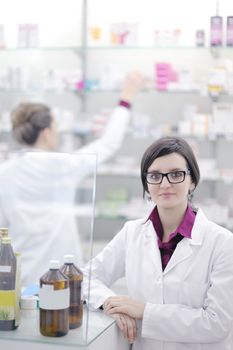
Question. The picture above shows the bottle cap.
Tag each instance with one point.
(3, 231)
(29, 302)
(6, 240)
(68, 259)
(54, 264)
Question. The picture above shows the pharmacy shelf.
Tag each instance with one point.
(41, 49)
(101, 91)
(208, 137)
(152, 90)
(164, 47)
(117, 47)
(39, 91)
(82, 92)
(173, 91)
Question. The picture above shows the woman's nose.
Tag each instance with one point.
(165, 183)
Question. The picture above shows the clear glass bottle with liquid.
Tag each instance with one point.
(75, 276)
(54, 297)
(8, 294)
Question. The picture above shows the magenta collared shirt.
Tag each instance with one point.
(183, 230)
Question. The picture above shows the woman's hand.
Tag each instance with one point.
(127, 326)
(134, 81)
(124, 305)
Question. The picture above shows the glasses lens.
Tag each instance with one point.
(176, 176)
(154, 178)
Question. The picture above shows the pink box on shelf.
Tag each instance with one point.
(164, 74)
(161, 86)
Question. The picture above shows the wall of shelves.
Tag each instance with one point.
(75, 51)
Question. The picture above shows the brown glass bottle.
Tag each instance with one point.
(75, 276)
(8, 297)
(54, 295)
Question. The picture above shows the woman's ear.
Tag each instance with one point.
(45, 133)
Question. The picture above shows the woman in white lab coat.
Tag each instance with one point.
(38, 187)
(178, 265)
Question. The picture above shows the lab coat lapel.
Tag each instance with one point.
(183, 251)
(184, 248)
(152, 249)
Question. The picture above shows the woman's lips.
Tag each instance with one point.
(166, 194)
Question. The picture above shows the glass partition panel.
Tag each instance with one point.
(47, 203)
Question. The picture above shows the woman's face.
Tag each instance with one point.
(167, 195)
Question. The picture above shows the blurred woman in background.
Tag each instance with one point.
(38, 187)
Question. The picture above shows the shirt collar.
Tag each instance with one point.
(184, 229)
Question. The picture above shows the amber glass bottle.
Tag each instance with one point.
(75, 276)
(54, 297)
(8, 299)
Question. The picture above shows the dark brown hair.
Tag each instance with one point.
(164, 146)
(28, 120)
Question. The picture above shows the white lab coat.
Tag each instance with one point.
(37, 195)
(189, 305)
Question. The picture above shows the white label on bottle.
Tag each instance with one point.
(48, 287)
(5, 268)
(51, 299)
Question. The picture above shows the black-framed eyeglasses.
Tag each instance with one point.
(174, 177)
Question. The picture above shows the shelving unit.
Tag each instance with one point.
(163, 107)
(156, 103)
